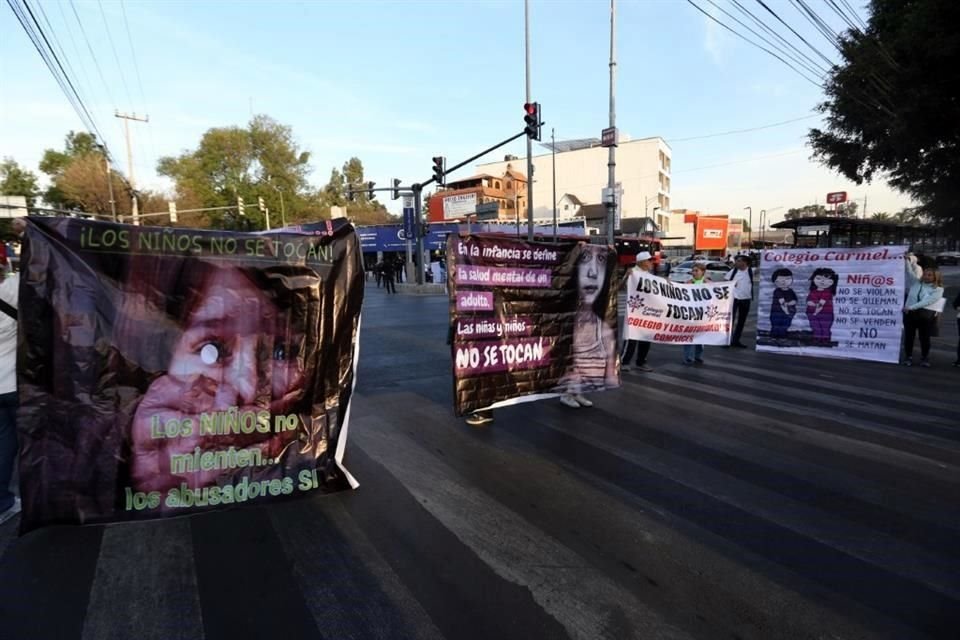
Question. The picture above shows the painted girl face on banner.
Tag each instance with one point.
(238, 337)
(822, 281)
(591, 273)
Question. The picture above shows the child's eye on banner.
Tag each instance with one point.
(212, 353)
(283, 350)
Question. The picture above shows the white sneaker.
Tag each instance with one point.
(12, 511)
(582, 400)
(568, 400)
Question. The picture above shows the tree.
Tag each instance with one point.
(848, 209)
(893, 104)
(17, 181)
(806, 211)
(258, 161)
(882, 216)
(80, 146)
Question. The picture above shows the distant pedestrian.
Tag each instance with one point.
(918, 318)
(9, 502)
(956, 308)
(693, 353)
(388, 274)
(641, 347)
(742, 277)
(378, 272)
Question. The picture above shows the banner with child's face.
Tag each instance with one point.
(165, 371)
(530, 319)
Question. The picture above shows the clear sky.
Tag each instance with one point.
(395, 83)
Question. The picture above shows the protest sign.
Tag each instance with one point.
(669, 312)
(167, 371)
(834, 303)
(530, 319)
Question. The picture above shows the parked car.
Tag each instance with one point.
(683, 272)
(948, 257)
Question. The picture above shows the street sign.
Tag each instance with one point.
(836, 197)
(409, 221)
(609, 137)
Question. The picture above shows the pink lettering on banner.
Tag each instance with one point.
(503, 276)
(474, 301)
(473, 359)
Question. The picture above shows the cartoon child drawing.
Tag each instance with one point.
(784, 304)
(823, 286)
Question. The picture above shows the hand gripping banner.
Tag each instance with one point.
(530, 320)
(167, 371)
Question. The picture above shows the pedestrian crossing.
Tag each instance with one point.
(757, 496)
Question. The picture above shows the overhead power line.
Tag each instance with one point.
(814, 71)
(34, 31)
(763, 25)
(748, 130)
(794, 32)
(93, 56)
(116, 58)
(759, 46)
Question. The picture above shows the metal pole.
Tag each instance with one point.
(283, 211)
(126, 131)
(612, 162)
(113, 204)
(417, 216)
(526, 28)
(553, 146)
(750, 229)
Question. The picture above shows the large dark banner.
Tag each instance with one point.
(168, 371)
(530, 319)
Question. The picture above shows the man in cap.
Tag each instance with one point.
(742, 277)
(641, 347)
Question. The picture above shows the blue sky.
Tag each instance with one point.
(395, 83)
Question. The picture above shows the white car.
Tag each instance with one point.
(683, 272)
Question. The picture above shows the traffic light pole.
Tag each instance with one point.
(417, 211)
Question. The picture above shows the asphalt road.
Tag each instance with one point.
(759, 496)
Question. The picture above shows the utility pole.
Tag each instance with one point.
(133, 187)
(553, 148)
(526, 26)
(750, 229)
(106, 165)
(417, 189)
(612, 162)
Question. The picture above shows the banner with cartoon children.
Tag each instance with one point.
(166, 371)
(669, 312)
(530, 319)
(835, 303)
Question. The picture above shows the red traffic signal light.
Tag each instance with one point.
(531, 120)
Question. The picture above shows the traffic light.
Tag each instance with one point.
(396, 189)
(240, 207)
(439, 167)
(370, 186)
(261, 203)
(531, 119)
(351, 196)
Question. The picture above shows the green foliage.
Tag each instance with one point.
(261, 160)
(17, 181)
(893, 105)
(77, 144)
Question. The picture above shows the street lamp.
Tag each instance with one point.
(750, 229)
(763, 223)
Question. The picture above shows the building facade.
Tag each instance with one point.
(506, 189)
(643, 171)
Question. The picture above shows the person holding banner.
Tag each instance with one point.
(918, 317)
(594, 341)
(693, 353)
(9, 502)
(742, 277)
(641, 347)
